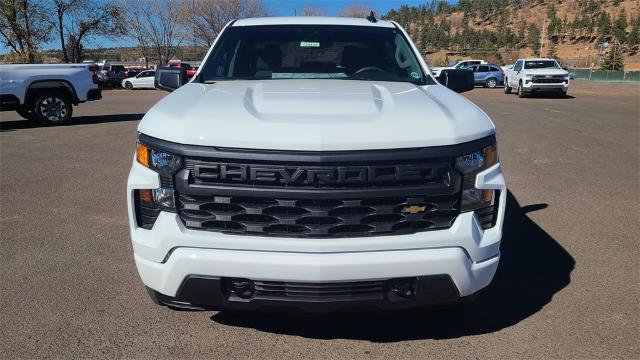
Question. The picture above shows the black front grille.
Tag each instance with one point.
(546, 80)
(336, 197)
(318, 217)
(334, 291)
(321, 194)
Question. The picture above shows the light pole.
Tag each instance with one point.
(195, 46)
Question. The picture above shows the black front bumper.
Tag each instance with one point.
(213, 293)
(94, 94)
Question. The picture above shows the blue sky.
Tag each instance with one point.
(276, 7)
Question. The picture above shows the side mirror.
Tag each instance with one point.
(170, 78)
(458, 80)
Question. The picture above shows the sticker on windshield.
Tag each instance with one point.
(309, 44)
(415, 75)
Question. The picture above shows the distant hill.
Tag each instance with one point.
(578, 32)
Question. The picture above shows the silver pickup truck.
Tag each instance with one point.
(46, 93)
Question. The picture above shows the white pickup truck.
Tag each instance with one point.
(315, 163)
(457, 65)
(536, 75)
(46, 92)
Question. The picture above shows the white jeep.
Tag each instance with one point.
(318, 165)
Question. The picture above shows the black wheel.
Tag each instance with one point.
(521, 92)
(128, 85)
(507, 88)
(491, 83)
(52, 108)
(25, 112)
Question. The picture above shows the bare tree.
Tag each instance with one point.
(312, 11)
(76, 21)
(62, 8)
(136, 29)
(155, 26)
(23, 27)
(358, 10)
(89, 19)
(208, 17)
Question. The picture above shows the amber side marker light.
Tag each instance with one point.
(142, 154)
(145, 196)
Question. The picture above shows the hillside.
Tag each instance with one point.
(575, 31)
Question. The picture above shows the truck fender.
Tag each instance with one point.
(48, 84)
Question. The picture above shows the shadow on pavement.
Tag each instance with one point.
(533, 267)
(542, 95)
(76, 120)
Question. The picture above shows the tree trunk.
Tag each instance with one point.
(61, 31)
(30, 55)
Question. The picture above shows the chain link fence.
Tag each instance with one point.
(605, 75)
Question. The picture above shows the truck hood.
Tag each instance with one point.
(546, 71)
(315, 115)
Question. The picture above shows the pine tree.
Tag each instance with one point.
(553, 52)
(614, 60)
(533, 38)
(634, 36)
(619, 29)
(604, 27)
(521, 35)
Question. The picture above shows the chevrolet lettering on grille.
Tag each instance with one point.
(313, 176)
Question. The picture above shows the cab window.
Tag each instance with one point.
(518, 66)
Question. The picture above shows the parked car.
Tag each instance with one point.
(131, 72)
(299, 170)
(140, 81)
(539, 75)
(111, 75)
(46, 93)
(489, 75)
(457, 65)
(191, 71)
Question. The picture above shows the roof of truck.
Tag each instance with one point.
(311, 20)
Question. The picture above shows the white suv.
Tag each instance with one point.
(318, 165)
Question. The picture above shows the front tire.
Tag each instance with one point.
(521, 92)
(507, 88)
(491, 83)
(52, 108)
(128, 85)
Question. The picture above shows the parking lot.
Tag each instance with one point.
(568, 284)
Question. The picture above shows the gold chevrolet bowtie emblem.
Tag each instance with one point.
(414, 209)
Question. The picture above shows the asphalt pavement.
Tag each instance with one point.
(568, 285)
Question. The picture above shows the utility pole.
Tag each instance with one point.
(195, 46)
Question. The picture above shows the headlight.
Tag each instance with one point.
(470, 165)
(160, 161)
(477, 161)
(529, 76)
(149, 202)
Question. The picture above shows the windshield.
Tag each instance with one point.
(541, 64)
(312, 52)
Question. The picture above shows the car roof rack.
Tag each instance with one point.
(372, 17)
